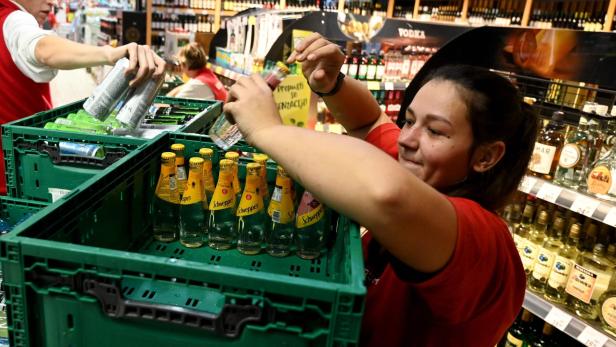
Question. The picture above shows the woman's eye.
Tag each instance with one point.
(409, 122)
(434, 131)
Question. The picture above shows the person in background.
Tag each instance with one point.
(31, 56)
(441, 266)
(203, 83)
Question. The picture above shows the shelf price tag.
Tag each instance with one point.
(374, 85)
(558, 318)
(592, 338)
(549, 192)
(585, 205)
(527, 184)
(389, 86)
(610, 218)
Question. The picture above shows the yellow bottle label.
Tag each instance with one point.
(599, 180)
(167, 189)
(309, 212)
(251, 202)
(224, 196)
(194, 191)
(514, 341)
(281, 204)
(560, 272)
(608, 311)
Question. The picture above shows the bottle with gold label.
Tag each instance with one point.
(208, 178)
(193, 225)
(570, 171)
(589, 279)
(178, 149)
(311, 227)
(546, 256)
(548, 146)
(519, 331)
(601, 180)
(563, 263)
(520, 233)
(534, 242)
(263, 188)
(166, 200)
(235, 157)
(279, 236)
(222, 222)
(251, 217)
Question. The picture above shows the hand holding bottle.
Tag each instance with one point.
(144, 63)
(321, 62)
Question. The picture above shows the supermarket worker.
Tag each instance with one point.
(203, 83)
(441, 266)
(31, 56)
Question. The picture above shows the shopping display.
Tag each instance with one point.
(530, 330)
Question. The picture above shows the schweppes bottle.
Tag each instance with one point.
(222, 221)
(251, 217)
(166, 200)
(208, 178)
(281, 211)
(178, 149)
(263, 188)
(235, 157)
(310, 226)
(192, 212)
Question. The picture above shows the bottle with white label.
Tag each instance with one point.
(570, 171)
(589, 279)
(520, 233)
(607, 302)
(535, 240)
(548, 146)
(561, 268)
(546, 256)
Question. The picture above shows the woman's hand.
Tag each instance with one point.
(321, 62)
(250, 104)
(144, 63)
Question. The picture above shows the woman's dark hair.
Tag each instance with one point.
(193, 56)
(496, 113)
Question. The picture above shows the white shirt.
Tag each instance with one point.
(21, 34)
(195, 89)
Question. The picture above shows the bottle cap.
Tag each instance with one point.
(280, 65)
(232, 155)
(529, 210)
(260, 157)
(177, 147)
(167, 155)
(226, 164)
(558, 116)
(598, 249)
(559, 224)
(206, 152)
(195, 162)
(281, 171)
(611, 249)
(543, 218)
(253, 168)
(574, 231)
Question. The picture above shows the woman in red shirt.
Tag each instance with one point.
(441, 266)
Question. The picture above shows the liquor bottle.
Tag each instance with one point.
(261, 159)
(345, 66)
(354, 65)
(565, 259)
(570, 171)
(602, 176)
(222, 222)
(363, 67)
(235, 157)
(380, 68)
(548, 145)
(534, 242)
(589, 279)
(519, 331)
(547, 255)
(609, 138)
(372, 66)
(166, 200)
(546, 339)
(193, 225)
(281, 211)
(514, 218)
(310, 226)
(596, 137)
(520, 234)
(178, 149)
(208, 178)
(251, 217)
(607, 305)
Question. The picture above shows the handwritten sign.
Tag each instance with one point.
(293, 100)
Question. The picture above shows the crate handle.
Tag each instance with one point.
(229, 322)
(54, 153)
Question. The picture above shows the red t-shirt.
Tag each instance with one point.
(470, 302)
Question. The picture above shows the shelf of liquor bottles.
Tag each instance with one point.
(588, 334)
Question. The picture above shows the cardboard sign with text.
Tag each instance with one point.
(293, 100)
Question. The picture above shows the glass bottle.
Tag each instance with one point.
(596, 137)
(570, 171)
(514, 218)
(548, 146)
(565, 259)
(311, 227)
(178, 149)
(546, 256)
(208, 178)
(534, 242)
(520, 234)
(546, 339)
(609, 138)
(602, 176)
(193, 225)
(166, 200)
(589, 279)
(235, 157)
(261, 159)
(281, 211)
(519, 331)
(607, 304)
(222, 222)
(251, 215)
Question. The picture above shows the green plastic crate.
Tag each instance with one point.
(88, 273)
(14, 210)
(35, 171)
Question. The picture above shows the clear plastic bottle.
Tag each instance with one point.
(222, 221)
(251, 217)
(281, 211)
(192, 213)
(166, 201)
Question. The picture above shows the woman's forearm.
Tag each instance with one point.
(64, 54)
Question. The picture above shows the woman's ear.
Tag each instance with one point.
(487, 155)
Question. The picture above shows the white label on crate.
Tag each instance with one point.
(585, 205)
(389, 86)
(558, 318)
(592, 338)
(549, 192)
(610, 218)
(527, 184)
(57, 193)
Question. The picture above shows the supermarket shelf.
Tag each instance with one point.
(186, 10)
(219, 70)
(589, 334)
(589, 206)
(228, 13)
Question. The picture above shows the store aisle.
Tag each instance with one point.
(71, 85)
